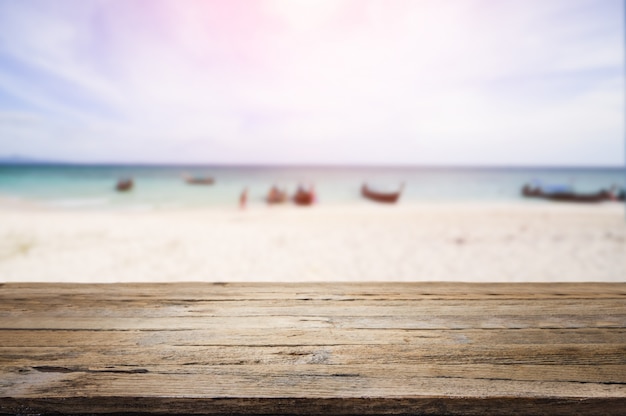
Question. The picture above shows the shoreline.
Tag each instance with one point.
(10, 203)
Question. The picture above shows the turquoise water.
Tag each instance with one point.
(163, 187)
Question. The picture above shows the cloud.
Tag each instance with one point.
(343, 81)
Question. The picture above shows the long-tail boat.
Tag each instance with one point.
(125, 184)
(304, 196)
(564, 194)
(199, 180)
(378, 196)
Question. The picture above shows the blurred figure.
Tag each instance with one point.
(243, 198)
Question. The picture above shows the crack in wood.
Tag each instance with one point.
(56, 369)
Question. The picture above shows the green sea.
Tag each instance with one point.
(159, 187)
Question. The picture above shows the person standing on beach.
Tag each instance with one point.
(243, 198)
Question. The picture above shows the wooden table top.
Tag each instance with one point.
(327, 348)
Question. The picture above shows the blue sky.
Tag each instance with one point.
(507, 82)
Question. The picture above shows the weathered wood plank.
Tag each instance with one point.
(574, 354)
(316, 321)
(596, 381)
(140, 308)
(423, 405)
(371, 348)
(310, 337)
(322, 291)
(317, 381)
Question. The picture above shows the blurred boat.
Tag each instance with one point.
(378, 196)
(125, 184)
(304, 196)
(276, 196)
(199, 180)
(564, 193)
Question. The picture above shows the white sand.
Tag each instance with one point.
(453, 242)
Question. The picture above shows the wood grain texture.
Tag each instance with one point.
(333, 348)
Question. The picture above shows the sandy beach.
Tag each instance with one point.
(429, 242)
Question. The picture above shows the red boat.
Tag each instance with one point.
(385, 197)
(304, 196)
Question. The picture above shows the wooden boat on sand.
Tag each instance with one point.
(378, 196)
(304, 196)
(125, 184)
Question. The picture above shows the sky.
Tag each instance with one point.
(375, 82)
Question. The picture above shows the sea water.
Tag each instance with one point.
(163, 187)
